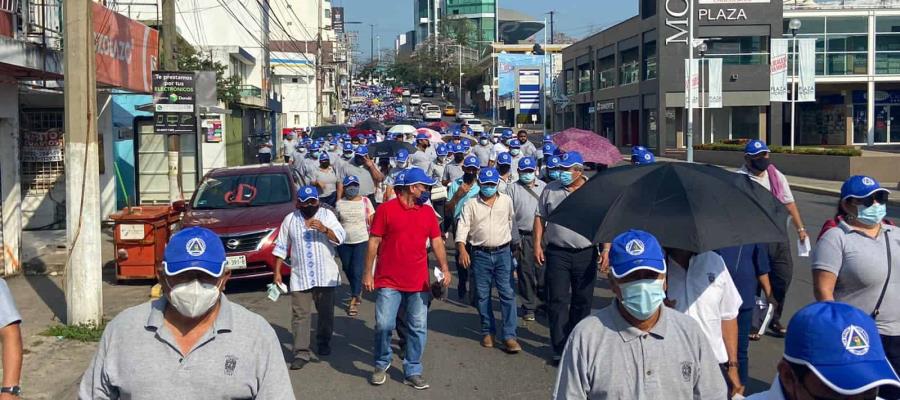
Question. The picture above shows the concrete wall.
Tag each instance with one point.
(10, 179)
(213, 153)
(108, 175)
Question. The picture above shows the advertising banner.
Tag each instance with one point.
(126, 51)
(529, 91)
(174, 100)
(715, 83)
(778, 72)
(691, 84)
(213, 130)
(44, 146)
(806, 84)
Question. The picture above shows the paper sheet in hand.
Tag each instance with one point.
(803, 247)
(275, 291)
(438, 274)
(766, 319)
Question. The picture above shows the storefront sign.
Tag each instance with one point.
(691, 83)
(806, 88)
(778, 70)
(126, 50)
(722, 14)
(608, 106)
(529, 90)
(677, 18)
(714, 98)
(337, 19)
(44, 146)
(213, 130)
(174, 102)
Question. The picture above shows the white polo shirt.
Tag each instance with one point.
(707, 294)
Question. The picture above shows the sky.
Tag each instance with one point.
(576, 18)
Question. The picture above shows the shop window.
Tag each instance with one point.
(649, 60)
(584, 78)
(630, 70)
(745, 122)
(570, 82)
(607, 74)
(741, 50)
(841, 44)
(42, 150)
(887, 45)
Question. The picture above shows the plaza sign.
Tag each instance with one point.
(677, 18)
(677, 15)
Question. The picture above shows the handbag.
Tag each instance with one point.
(887, 245)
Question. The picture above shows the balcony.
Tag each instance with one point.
(790, 5)
(252, 95)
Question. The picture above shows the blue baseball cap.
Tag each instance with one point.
(471, 161)
(841, 345)
(548, 148)
(348, 148)
(323, 156)
(636, 250)
(421, 136)
(314, 146)
(860, 187)
(515, 144)
(640, 155)
(362, 150)
(400, 178)
(548, 139)
(194, 249)
(456, 133)
(416, 175)
(465, 145)
(402, 155)
(441, 149)
(755, 147)
(350, 180)
(457, 149)
(527, 164)
(507, 133)
(553, 162)
(488, 176)
(504, 159)
(570, 159)
(345, 136)
(307, 193)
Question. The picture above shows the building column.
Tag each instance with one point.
(848, 119)
(10, 178)
(870, 114)
(763, 119)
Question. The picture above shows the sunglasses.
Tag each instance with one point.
(880, 196)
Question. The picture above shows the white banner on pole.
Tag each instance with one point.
(692, 84)
(778, 70)
(714, 99)
(806, 88)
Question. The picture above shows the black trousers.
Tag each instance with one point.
(570, 278)
(892, 351)
(782, 266)
(531, 277)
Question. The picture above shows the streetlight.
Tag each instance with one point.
(794, 26)
(702, 48)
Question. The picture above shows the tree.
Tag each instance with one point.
(228, 88)
(460, 31)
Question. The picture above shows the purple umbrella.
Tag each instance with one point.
(593, 147)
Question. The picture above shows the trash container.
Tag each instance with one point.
(140, 236)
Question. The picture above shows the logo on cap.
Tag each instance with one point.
(855, 340)
(757, 145)
(196, 247)
(308, 191)
(647, 157)
(488, 174)
(868, 181)
(635, 247)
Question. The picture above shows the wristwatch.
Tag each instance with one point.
(731, 364)
(13, 390)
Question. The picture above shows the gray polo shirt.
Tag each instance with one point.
(423, 159)
(529, 150)
(524, 204)
(452, 172)
(483, 153)
(553, 194)
(608, 358)
(239, 358)
(8, 312)
(860, 264)
(327, 178)
(366, 184)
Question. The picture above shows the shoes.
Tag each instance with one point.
(512, 346)
(379, 376)
(529, 316)
(353, 307)
(298, 363)
(324, 350)
(554, 361)
(487, 341)
(417, 382)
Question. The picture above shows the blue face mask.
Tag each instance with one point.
(488, 191)
(315, 154)
(554, 175)
(423, 198)
(642, 298)
(566, 178)
(871, 215)
(527, 177)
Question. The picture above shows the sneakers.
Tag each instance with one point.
(298, 363)
(512, 346)
(379, 376)
(417, 382)
(529, 316)
(487, 341)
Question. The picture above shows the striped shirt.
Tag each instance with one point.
(312, 253)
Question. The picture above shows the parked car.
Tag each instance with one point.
(428, 92)
(406, 92)
(245, 207)
(465, 114)
(415, 100)
(432, 113)
(397, 90)
(475, 125)
(450, 110)
(498, 130)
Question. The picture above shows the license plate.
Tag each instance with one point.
(236, 262)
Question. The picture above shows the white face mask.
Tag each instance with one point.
(193, 299)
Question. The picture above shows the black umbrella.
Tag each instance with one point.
(389, 148)
(371, 124)
(686, 206)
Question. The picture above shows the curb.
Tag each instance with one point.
(830, 192)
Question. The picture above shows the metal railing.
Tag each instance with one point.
(39, 22)
(839, 4)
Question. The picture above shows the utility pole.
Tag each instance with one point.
(372, 46)
(551, 25)
(319, 70)
(84, 297)
(169, 63)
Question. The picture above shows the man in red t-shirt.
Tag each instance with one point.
(398, 237)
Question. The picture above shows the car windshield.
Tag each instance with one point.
(247, 190)
(474, 122)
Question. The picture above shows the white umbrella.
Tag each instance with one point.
(433, 135)
(404, 129)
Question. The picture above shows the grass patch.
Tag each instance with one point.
(81, 333)
(848, 151)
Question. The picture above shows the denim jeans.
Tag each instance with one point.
(387, 304)
(495, 268)
(353, 259)
(745, 325)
